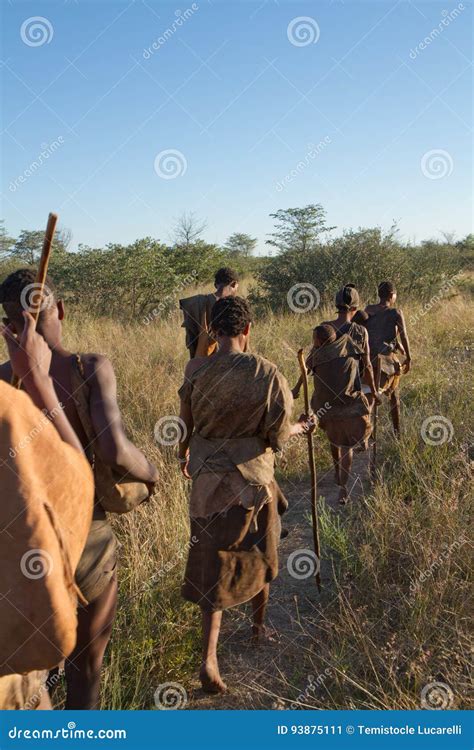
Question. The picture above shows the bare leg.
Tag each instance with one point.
(395, 411)
(259, 607)
(336, 457)
(209, 674)
(84, 666)
(346, 465)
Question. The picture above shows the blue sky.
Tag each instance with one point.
(241, 93)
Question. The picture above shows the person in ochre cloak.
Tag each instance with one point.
(86, 386)
(197, 313)
(236, 407)
(340, 351)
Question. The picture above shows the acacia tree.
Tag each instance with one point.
(298, 228)
(29, 243)
(240, 244)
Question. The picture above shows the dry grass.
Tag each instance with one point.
(379, 639)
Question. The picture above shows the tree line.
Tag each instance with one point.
(128, 281)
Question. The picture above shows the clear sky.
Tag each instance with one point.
(241, 93)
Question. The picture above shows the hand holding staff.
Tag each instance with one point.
(312, 466)
(36, 298)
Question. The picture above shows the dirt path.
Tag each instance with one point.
(270, 675)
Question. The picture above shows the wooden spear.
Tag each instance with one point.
(312, 467)
(37, 292)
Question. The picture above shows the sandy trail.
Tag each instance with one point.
(275, 673)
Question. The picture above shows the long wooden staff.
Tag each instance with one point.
(312, 467)
(373, 463)
(36, 297)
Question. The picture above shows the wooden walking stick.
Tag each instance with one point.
(373, 463)
(37, 290)
(312, 467)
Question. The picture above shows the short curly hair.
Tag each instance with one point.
(225, 276)
(17, 290)
(386, 289)
(230, 316)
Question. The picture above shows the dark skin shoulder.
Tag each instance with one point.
(112, 444)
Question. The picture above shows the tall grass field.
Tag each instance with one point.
(396, 614)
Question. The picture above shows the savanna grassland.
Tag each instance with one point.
(394, 613)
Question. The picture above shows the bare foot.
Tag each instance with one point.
(211, 680)
(261, 634)
(343, 496)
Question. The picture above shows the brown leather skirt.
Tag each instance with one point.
(351, 432)
(230, 561)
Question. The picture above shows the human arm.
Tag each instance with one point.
(30, 359)
(112, 444)
(402, 332)
(368, 369)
